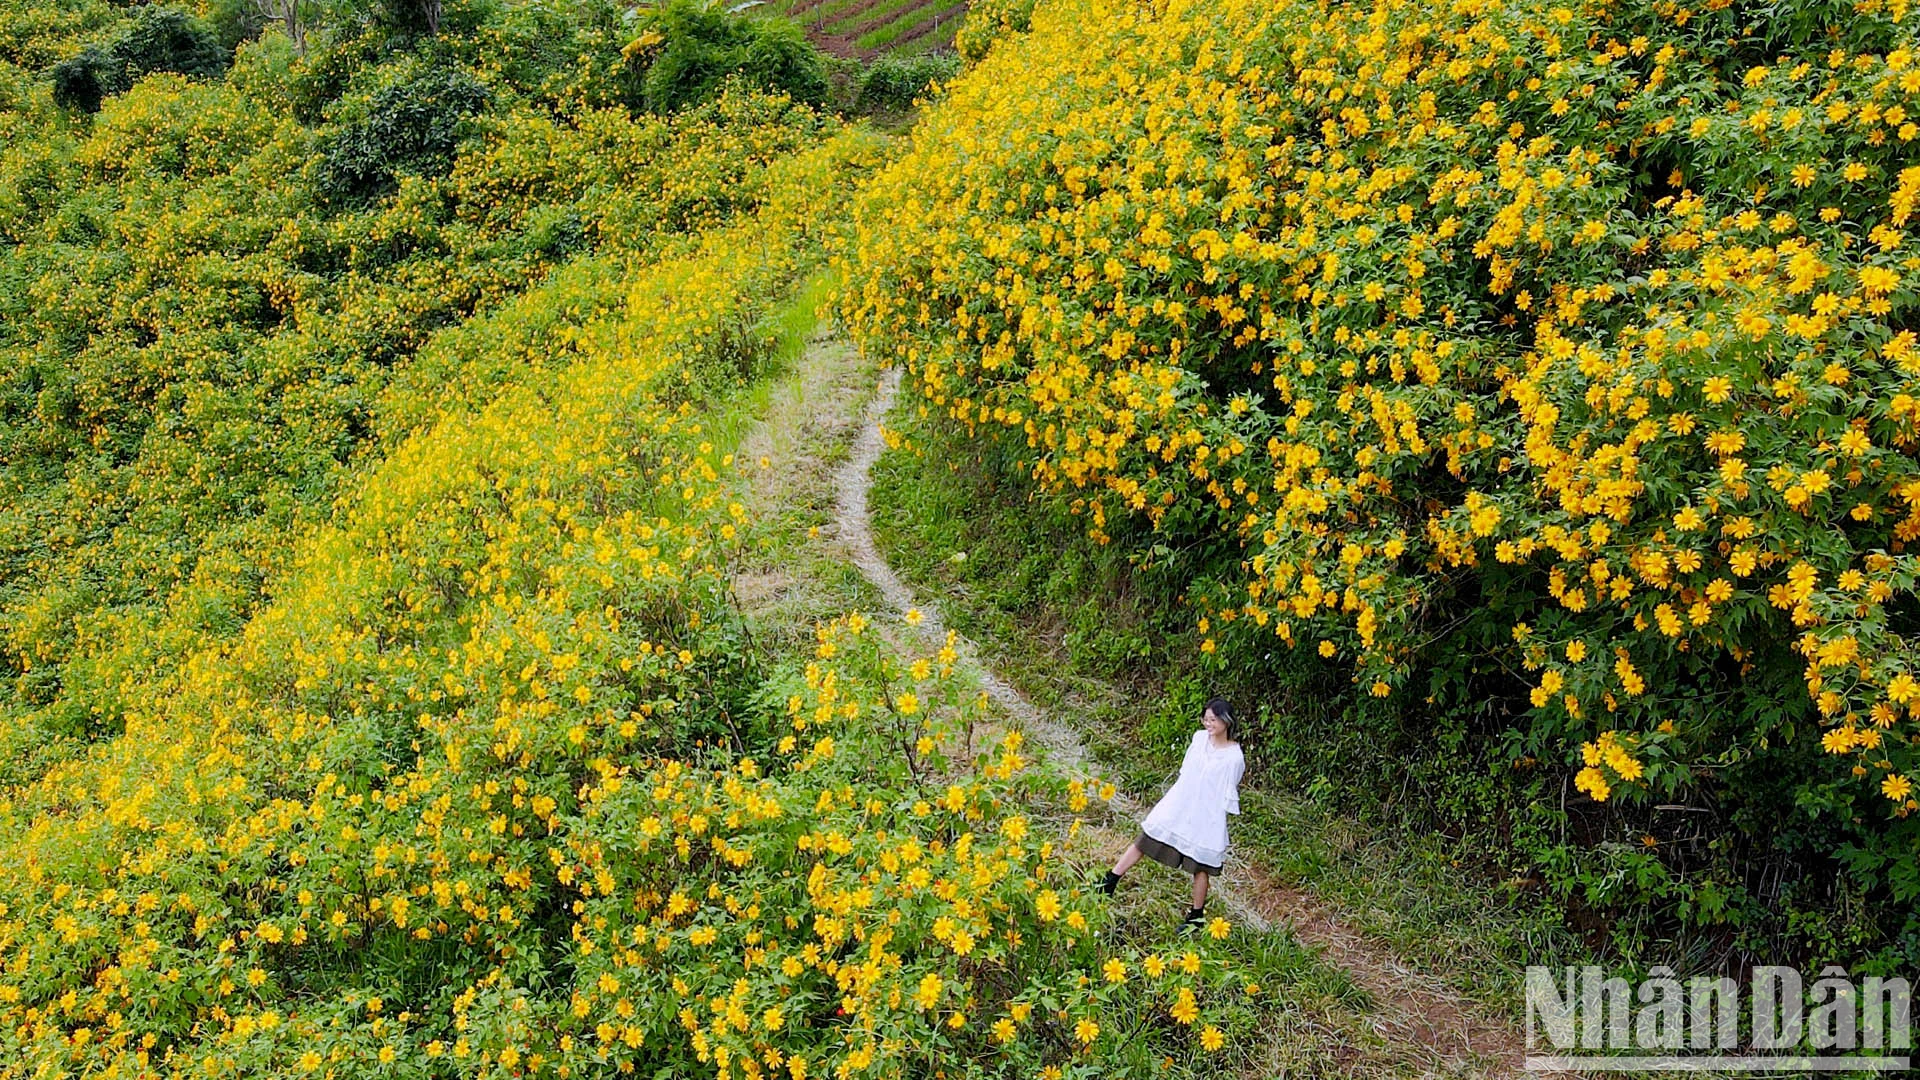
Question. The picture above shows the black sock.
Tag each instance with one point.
(1108, 883)
(1193, 914)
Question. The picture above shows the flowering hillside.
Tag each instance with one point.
(377, 702)
(217, 296)
(377, 695)
(1557, 354)
(440, 799)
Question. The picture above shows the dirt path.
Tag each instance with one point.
(1439, 1031)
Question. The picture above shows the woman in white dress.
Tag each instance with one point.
(1187, 828)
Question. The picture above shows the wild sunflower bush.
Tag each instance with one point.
(879, 899)
(991, 21)
(1565, 343)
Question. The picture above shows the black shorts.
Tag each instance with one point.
(1169, 855)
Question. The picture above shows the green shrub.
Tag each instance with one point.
(84, 80)
(412, 16)
(688, 49)
(893, 82)
(411, 126)
(778, 56)
(167, 39)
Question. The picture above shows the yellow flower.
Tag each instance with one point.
(1114, 970)
(1086, 1031)
(1211, 1039)
(928, 995)
(1218, 928)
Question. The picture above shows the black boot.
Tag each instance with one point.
(1109, 883)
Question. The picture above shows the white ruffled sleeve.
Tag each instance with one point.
(1235, 772)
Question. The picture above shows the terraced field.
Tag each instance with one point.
(868, 28)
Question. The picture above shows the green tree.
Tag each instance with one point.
(157, 39)
(411, 126)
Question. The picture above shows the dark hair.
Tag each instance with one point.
(1219, 707)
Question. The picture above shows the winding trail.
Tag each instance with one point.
(1434, 1029)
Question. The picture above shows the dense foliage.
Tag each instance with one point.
(157, 39)
(411, 126)
(899, 82)
(1549, 363)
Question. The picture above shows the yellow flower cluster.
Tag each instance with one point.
(1437, 321)
(1613, 752)
(989, 21)
(865, 903)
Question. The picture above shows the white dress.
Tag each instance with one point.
(1192, 815)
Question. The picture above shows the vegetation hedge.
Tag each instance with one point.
(1548, 368)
